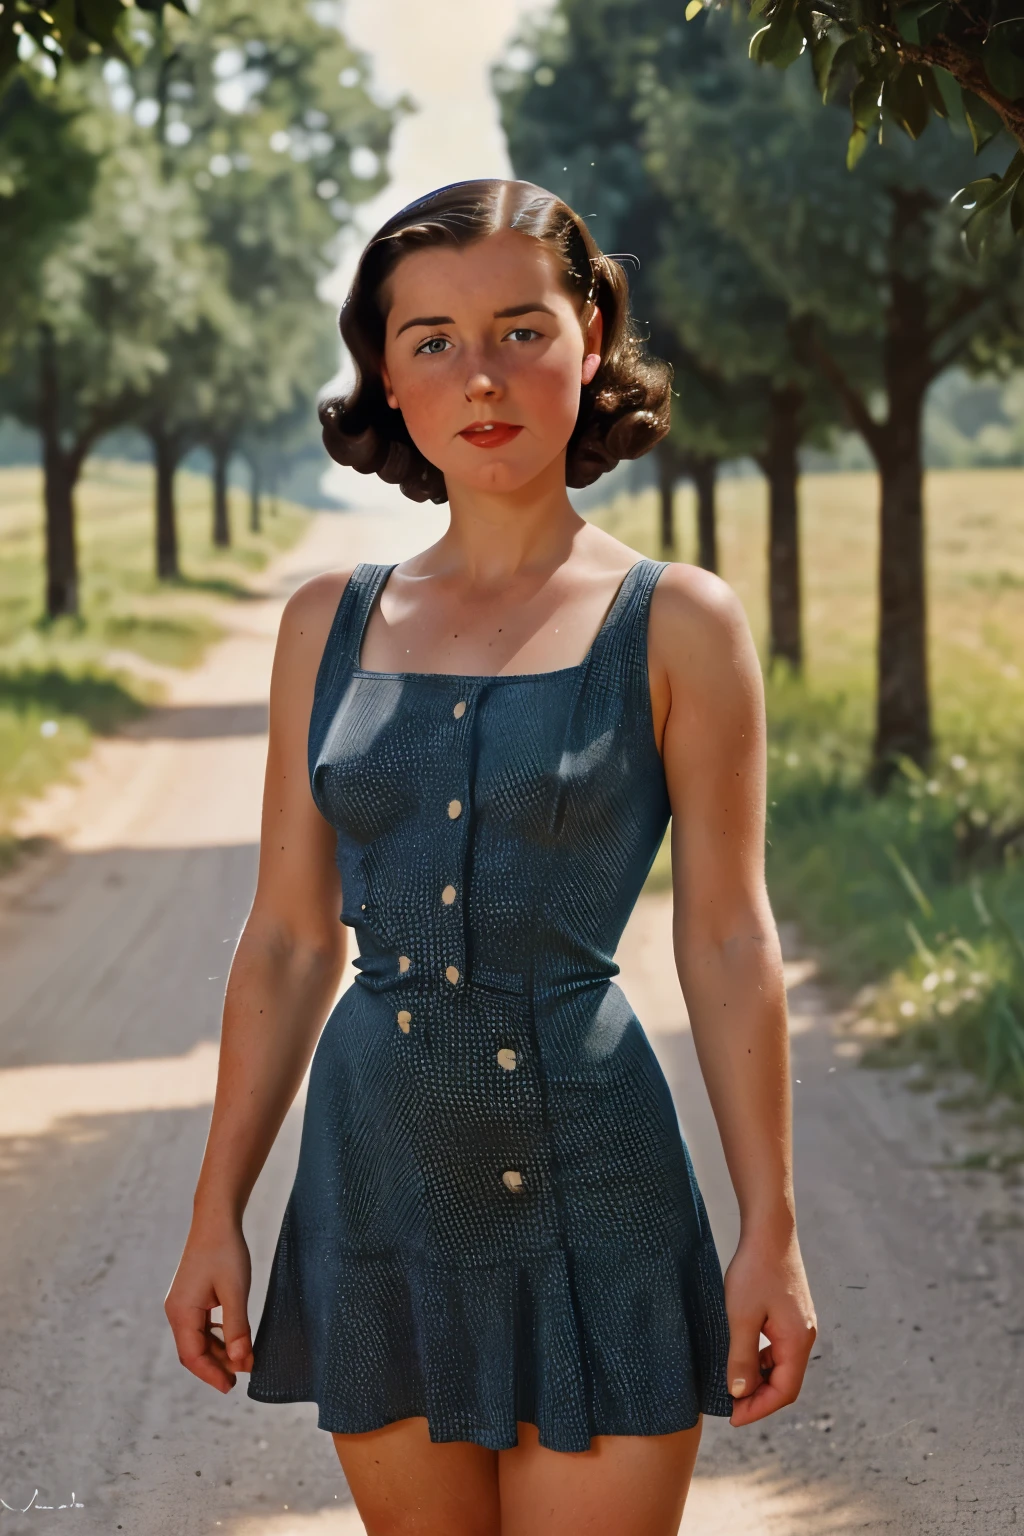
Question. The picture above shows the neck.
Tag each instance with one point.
(494, 536)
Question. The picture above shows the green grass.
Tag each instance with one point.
(917, 898)
(62, 682)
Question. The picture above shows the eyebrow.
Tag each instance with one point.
(499, 314)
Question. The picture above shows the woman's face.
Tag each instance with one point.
(485, 356)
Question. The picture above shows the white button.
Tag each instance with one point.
(460, 709)
(403, 962)
(404, 1020)
(452, 973)
(512, 1180)
(454, 808)
(448, 895)
(507, 1059)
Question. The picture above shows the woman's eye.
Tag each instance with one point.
(522, 333)
(433, 345)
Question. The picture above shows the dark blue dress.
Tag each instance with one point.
(494, 1215)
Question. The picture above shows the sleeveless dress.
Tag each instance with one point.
(494, 1215)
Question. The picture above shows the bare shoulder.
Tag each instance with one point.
(700, 644)
(306, 623)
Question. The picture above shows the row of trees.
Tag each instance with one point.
(789, 293)
(168, 216)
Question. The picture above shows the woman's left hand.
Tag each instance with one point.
(766, 1291)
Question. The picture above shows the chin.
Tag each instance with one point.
(497, 476)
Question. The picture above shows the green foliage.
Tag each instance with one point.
(901, 62)
(46, 34)
(47, 175)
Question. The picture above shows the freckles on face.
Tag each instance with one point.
(483, 356)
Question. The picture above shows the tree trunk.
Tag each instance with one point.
(704, 473)
(221, 520)
(903, 706)
(255, 490)
(667, 476)
(166, 454)
(60, 473)
(781, 468)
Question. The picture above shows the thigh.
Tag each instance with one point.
(625, 1485)
(404, 1484)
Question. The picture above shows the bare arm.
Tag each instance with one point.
(282, 981)
(707, 679)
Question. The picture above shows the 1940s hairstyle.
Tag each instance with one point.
(623, 412)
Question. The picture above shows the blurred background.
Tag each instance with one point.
(184, 191)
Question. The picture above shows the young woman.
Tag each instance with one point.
(495, 1274)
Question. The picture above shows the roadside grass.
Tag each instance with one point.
(64, 681)
(916, 899)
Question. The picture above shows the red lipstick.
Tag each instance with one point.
(490, 434)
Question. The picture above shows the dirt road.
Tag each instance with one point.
(113, 951)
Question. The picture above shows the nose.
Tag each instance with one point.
(483, 385)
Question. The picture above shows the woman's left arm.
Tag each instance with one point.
(708, 699)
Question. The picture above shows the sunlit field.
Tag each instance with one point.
(62, 681)
(916, 899)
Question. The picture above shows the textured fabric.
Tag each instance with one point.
(494, 1215)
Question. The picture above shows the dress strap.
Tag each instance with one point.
(615, 670)
(343, 645)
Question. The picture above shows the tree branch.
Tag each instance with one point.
(873, 432)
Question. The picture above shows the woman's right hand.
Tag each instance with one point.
(214, 1270)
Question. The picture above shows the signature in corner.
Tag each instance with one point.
(74, 1504)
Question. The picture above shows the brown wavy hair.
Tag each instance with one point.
(623, 412)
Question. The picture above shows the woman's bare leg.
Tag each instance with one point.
(625, 1485)
(404, 1484)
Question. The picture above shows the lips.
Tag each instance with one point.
(490, 434)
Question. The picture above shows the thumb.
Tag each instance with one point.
(743, 1372)
(237, 1338)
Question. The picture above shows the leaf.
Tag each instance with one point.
(910, 881)
(864, 100)
(931, 87)
(1004, 67)
(950, 92)
(982, 120)
(824, 48)
(856, 144)
(923, 952)
(1017, 207)
(693, 9)
(906, 99)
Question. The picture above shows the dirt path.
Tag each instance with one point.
(113, 952)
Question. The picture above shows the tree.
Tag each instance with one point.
(71, 29)
(740, 388)
(874, 275)
(99, 324)
(47, 174)
(901, 61)
(265, 113)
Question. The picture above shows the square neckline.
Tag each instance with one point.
(491, 677)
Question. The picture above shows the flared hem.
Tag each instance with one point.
(484, 1435)
(604, 1341)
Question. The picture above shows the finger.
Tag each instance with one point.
(237, 1338)
(743, 1371)
(781, 1366)
(780, 1389)
(198, 1350)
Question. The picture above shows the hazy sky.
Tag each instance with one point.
(438, 52)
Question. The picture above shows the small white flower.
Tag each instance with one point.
(949, 974)
(932, 786)
(958, 761)
(931, 981)
(49, 728)
(908, 1009)
(946, 1005)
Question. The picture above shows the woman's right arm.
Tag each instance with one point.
(282, 981)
